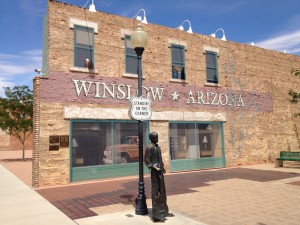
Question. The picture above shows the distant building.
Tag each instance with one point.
(11, 143)
(215, 103)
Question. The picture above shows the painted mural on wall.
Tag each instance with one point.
(82, 88)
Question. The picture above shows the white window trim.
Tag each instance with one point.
(172, 41)
(210, 49)
(131, 75)
(84, 70)
(84, 23)
(178, 81)
(212, 84)
(125, 32)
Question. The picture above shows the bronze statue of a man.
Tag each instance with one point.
(154, 162)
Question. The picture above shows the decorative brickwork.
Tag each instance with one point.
(36, 132)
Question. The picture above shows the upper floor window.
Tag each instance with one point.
(131, 60)
(212, 67)
(178, 62)
(83, 47)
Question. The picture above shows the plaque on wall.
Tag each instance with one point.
(54, 143)
(64, 141)
(54, 139)
(53, 147)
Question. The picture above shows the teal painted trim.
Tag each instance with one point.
(195, 164)
(89, 47)
(197, 122)
(45, 62)
(200, 163)
(113, 126)
(174, 63)
(213, 67)
(127, 37)
(223, 144)
(70, 150)
(106, 171)
(183, 63)
(127, 55)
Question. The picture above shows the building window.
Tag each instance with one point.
(211, 67)
(131, 61)
(178, 62)
(195, 140)
(105, 143)
(83, 47)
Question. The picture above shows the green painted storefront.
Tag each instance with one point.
(93, 141)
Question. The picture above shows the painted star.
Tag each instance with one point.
(175, 96)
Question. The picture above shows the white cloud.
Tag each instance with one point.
(19, 69)
(289, 42)
(33, 52)
(4, 83)
(8, 68)
(24, 62)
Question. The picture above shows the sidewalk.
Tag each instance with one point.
(20, 205)
(251, 195)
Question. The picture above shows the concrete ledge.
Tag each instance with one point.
(75, 112)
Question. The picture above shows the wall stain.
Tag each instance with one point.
(239, 126)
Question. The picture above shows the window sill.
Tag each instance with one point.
(83, 70)
(131, 75)
(212, 84)
(178, 81)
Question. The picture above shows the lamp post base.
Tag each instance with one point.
(140, 201)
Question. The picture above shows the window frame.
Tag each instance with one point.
(81, 173)
(113, 132)
(83, 46)
(181, 64)
(210, 66)
(126, 38)
(194, 163)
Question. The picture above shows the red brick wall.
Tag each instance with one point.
(10, 143)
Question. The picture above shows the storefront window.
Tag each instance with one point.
(105, 143)
(195, 140)
(126, 142)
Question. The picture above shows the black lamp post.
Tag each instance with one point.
(139, 39)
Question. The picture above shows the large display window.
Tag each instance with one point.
(196, 145)
(104, 148)
(105, 142)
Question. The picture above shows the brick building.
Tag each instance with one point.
(214, 103)
(11, 143)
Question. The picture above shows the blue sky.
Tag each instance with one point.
(272, 24)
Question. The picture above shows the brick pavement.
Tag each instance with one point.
(251, 195)
(224, 196)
